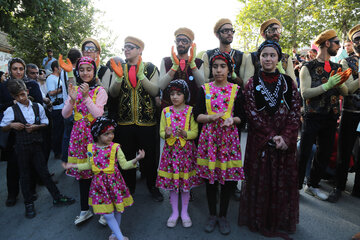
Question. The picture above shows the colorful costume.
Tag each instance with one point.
(81, 135)
(177, 165)
(108, 190)
(219, 150)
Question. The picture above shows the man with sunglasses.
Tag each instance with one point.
(182, 66)
(135, 88)
(320, 89)
(270, 30)
(224, 31)
(350, 117)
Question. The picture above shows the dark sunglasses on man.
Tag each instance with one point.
(227, 31)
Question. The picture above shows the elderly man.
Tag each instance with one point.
(320, 89)
(224, 31)
(135, 88)
(270, 30)
(182, 66)
(350, 117)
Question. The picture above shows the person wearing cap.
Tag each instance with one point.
(350, 117)
(135, 88)
(182, 66)
(46, 63)
(270, 30)
(320, 89)
(224, 31)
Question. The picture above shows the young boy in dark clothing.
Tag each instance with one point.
(27, 119)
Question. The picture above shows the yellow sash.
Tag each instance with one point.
(208, 101)
(110, 168)
(77, 115)
(172, 139)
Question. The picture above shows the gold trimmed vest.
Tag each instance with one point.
(136, 105)
(352, 101)
(327, 102)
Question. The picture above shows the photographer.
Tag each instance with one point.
(53, 84)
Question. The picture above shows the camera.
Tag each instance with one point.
(57, 101)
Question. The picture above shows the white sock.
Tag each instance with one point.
(113, 224)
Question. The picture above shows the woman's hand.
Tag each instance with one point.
(72, 93)
(280, 143)
(140, 155)
(168, 132)
(84, 88)
(181, 132)
(228, 122)
(215, 117)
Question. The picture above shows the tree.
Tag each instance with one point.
(302, 20)
(36, 25)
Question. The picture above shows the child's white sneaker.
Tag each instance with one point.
(102, 221)
(84, 215)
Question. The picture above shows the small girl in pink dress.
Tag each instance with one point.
(87, 100)
(177, 171)
(219, 109)
(109, 194)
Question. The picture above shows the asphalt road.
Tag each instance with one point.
(146, 219)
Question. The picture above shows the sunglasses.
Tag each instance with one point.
(227, 31)
(129, 47)
(356, 40)
(183, 40)
(90, 49)
(336, 41)
(274, 30)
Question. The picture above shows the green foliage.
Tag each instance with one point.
(302, 20)
(36, 25)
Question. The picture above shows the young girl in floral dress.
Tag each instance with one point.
(109, 194)
(219, 109)
(177, 165)
(87, 100)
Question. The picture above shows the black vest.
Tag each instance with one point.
(23, 137)
(352, 101)
(236, 55)
(327, 102)
(185, 75)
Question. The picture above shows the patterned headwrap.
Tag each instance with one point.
(85, 60)
(101, 125)
(181, 86)
(226, 58)
(269, 43)
(15, 60)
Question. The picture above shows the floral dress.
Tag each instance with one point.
(81, 135)
(108, 190)
(177, 171)
(219, 150)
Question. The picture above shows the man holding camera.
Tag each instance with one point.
(53, 84)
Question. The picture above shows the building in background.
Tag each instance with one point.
(5, 52)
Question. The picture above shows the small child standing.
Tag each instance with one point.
(177, 165)
(27, 119)
(109, 194)
(87, 100)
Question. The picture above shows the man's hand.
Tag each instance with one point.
(140, 69)
(192, 56)
(29, 128)
(66, 66)
(17, 126)
(175, 60)
(117, 68)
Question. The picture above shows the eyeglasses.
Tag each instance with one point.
(90, 49)
(227, 31)
(183, 40)
(356, 40)
(273, 30)
(336, 41)
(129, 48)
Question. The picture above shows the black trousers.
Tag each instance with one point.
(132, 138)
(84, 185)
(57, 131)
(347, 137)
(211, 193)
(12, 172)
(320, 130)
(28, 156)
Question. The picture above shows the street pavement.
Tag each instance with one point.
(146, 219)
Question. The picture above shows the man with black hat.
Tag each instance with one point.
(224, 31)
(320, 89)
(350, 117)
(135, 87)
(270, 30)
(182, 66)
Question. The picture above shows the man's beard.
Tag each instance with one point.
(225, 41)
(183, 50)
(331, 52)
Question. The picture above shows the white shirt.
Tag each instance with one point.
(28, 113)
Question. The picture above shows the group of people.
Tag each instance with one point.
(193, 109)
